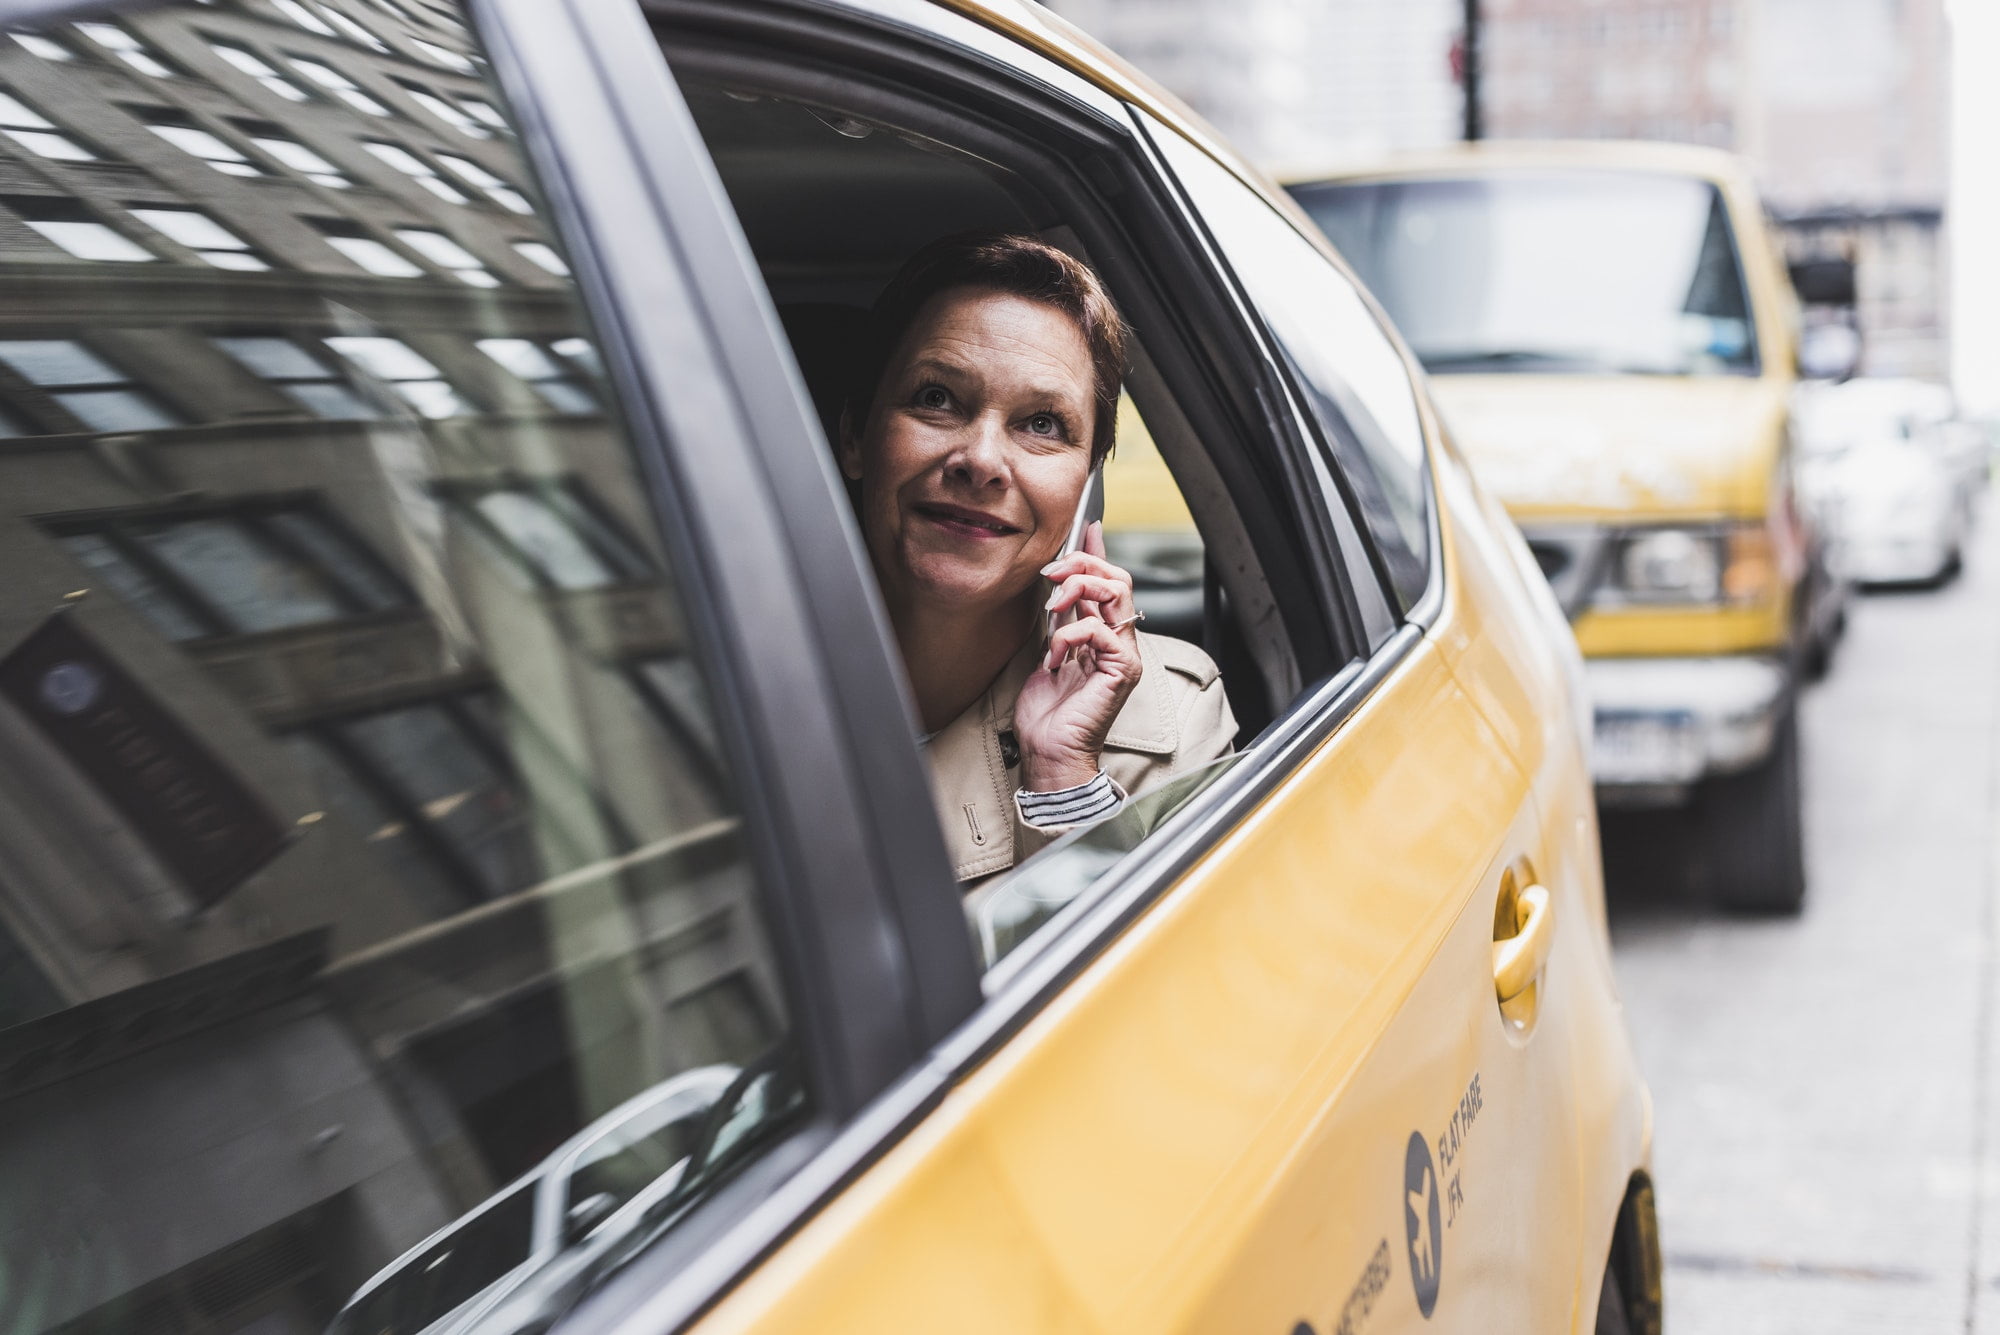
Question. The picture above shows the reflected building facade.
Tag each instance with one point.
(364, 832)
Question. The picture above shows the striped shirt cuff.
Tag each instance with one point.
(1081, 805)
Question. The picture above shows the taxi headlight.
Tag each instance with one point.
(1709, 564)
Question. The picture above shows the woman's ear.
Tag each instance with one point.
(847, 449)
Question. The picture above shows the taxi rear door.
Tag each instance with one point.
(1459, 1106)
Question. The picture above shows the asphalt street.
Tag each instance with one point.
(1827, 1149)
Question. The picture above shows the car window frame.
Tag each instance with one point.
(669, 1285)
(1423, 611)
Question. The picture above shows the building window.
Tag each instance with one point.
(354, 31)
(246, 569)
(446, 253)
(37, 133)
(204, 236)
(342, 87)
(445, 110)
(300, 375)
(484, 111)
(126, 47)
(48, 48)
(495, 189)
(438, 55)
(304, 17)
(185, 135)
(69, 225)
(415, 168)
(553, 377)
(87, 387)
(554, 536)
(430, 784)
(291, 153)
(366, 251)
(253, 66)
(543, 256)
(404, 371)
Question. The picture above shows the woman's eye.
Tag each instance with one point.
(1044, 424)
(934, 396)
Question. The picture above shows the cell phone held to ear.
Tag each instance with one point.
(1089, 509)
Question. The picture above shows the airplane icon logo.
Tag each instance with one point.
(1420, 1222)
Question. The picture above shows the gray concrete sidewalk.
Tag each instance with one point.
(1826, 1137)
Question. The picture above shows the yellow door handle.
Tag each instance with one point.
(1519, 960)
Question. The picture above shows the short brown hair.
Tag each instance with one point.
(1010, 263)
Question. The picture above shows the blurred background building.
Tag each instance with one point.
(1292, 82)
(1842, 106)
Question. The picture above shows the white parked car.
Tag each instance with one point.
(517, 1260)
(1889, 474)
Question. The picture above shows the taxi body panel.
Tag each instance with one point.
(1157, 1150)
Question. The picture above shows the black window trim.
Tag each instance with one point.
(1424, 610)
(614, 148)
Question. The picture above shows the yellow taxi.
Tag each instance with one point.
(466, 859)
(1611, 332)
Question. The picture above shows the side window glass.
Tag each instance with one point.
(378, 935)
(1353, 379)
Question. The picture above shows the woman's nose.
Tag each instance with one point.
(981, 457)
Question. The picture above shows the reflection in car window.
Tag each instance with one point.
(1354, 380)
(1004, 914)
(378, 945)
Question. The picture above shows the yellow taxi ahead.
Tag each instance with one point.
(1611, 331)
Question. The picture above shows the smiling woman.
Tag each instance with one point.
(987, 397)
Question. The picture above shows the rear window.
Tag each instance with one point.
(1550, 272)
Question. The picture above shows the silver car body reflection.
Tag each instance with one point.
(570, 1244)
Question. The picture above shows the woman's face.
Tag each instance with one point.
(974, 457)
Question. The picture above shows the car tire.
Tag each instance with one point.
(1750, 834)
(1612, 1316)
(1629, 1299)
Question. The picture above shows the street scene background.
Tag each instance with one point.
(1826, 1150)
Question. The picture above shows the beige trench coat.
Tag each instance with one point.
(1176, 719)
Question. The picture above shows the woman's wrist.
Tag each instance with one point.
(1050, 774)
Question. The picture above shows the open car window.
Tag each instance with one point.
(834, 193)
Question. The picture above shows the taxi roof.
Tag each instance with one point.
(1709, 164)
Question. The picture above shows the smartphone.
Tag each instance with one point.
(1089, 510)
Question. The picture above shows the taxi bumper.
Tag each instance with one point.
(1663, 724)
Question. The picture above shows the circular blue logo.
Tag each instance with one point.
(71, 688)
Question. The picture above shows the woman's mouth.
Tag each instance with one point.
(964, 521)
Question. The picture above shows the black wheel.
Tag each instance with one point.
(1749, 835)
(1629, 1301)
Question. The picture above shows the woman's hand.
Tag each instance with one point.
(1066, 706)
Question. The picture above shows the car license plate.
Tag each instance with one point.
(1646, 748)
